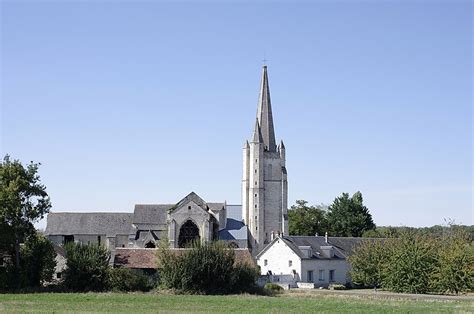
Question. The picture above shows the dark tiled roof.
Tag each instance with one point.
(148, 258)
(109, 224)
(151, 214)
(343, 245)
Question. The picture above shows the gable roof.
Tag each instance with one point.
(148, 258)
(109, 224)
(152, 214)
(343, 246)
(192, 197)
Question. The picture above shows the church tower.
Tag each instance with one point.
(264, 180)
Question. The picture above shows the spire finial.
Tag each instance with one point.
(264, 60)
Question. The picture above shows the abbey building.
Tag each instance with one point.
(250, 226)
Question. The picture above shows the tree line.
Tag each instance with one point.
(416, 262)
(347, 216)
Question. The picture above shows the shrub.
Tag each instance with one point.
(273, 287)
(335, 286)
(126, 279)
(37, 261)
(204, 268)
(454, 270)
(368, 261)
(410, 263)
(244, 278)
(87, 267)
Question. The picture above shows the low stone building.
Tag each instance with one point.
(191, 219)
(307, 261)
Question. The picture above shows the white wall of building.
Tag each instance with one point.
(278, 257)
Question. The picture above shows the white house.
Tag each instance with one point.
(307, 261)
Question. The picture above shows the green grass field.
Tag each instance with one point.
(288, 302)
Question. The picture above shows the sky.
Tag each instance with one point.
(133, 102)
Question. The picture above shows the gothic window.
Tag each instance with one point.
(188, 233)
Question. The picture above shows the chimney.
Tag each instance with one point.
(326, 237)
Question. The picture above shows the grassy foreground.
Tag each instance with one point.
(288, 302)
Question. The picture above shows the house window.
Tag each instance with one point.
(98, 240)
(189, 207)
(265, 262)
(58, 275)
(321, 275)
(331, 275)
(310, 276)
(290, 263)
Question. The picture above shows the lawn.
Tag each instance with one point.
(287, 302)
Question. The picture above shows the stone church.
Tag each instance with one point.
(252, 225)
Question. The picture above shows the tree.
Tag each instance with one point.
(410, 263)
(454, 270)
(368, 262)
(87, 267)
(23, 201)
(306, 220)
(37, 260)
(348, 217)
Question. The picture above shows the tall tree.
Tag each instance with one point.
(306, 220)
(348, 217)
(23, 201)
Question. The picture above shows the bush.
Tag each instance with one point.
(244, 278)
(204, 268)
(126, 279)
(87, 267)
(37, 261)
(335, 286)
(273, 287)
(417, 262)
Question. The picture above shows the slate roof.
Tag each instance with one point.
(343, 246)
(235, 228)
(109, 224)
(151, 214)
(148, 258)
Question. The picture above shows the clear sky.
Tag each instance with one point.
(144, 102)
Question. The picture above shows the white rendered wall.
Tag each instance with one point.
(278, 256)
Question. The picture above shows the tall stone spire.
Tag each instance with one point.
(257, 133)
(264, 113)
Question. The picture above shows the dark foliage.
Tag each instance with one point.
(87, 267)
(348, 217)
(125, 279)
(37, 261)
(205, 268)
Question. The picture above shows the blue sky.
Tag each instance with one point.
(143, 102)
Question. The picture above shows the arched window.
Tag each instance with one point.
(188, 233)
